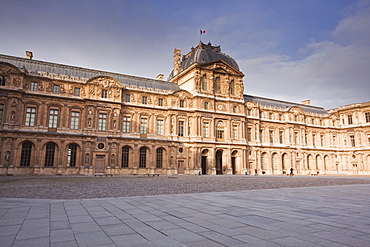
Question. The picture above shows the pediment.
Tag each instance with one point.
(296, 109)
(250, 104)
(182, 94)
(6, 68)
(105, 82)
(221, 67)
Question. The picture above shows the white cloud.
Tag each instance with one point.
(333, 73)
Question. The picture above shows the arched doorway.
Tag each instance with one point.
(219, 162)
(234, 154)
(204, 161)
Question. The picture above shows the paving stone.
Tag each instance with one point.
(61, 235)
(92, 239)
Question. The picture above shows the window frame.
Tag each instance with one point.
(30, 117)
(75, 120)
(102, 121)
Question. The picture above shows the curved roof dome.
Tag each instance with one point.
(205, 53)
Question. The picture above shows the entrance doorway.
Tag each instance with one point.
(204, 165)
(100, 164)
(219, 162)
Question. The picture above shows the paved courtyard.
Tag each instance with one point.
(181, 211)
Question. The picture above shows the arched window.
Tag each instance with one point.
(232, 87)
(273, 157)
(142, 158)
(325, 161)
(204, 83)
(72, 155)
(125, 156)
(26, 154)
(308, 162)
(217, 85)
(263, 161)
(317, 162)
(49, 154)
(159, 158)
(283, 161)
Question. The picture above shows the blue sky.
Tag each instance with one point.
(288, 49)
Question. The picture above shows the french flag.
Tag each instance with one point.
(202, 31)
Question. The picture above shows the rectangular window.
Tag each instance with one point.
(102, 122)
(143, 126)
(261, 135)
(271, 134)
(367, 117)
(56, 89)
(159, 128)
(144, 100)
(1, 113)
(205, 129)
(281, 137)
(75, 119)
(206, 105)
(2, 80)
(322, 140)
(160, 102)
(217, 85)
(204, 83)
(249, 134)
(350, 121)
(249, 112)
(104, 93)
(126, 124)
(182, 103)
(220, 133)
(235, 132)
(235, 109)
(30, 116)
(180, 131)
(76, 91)
(127, 98)
(33, 86)
(53, 118)
(296, 137)
(352, 138)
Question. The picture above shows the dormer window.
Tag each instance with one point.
(182, 103)
(104, 93)
(2, 80)
(33, 86)
(56, 89)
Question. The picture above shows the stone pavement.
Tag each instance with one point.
(307, 216)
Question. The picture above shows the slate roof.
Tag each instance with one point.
(205, 53)
(284, 105)
(26, 65)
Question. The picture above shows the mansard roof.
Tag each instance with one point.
(34, 67)
(284, 105)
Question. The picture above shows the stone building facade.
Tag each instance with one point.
(57, 120)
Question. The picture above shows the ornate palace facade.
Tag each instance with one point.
(58, 119)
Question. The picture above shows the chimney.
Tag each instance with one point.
(29, 55)
(160, 77)
(176, 61)
(306, 102)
